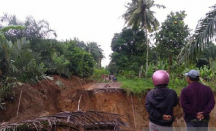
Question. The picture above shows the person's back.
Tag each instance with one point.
(163, 99)
(114, 78)
(160, 102)
(110, 77)
(198, 95)
(197, 101)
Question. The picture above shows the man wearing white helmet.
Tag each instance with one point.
(160, 103)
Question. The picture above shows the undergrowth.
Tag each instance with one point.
(98, 74)
(142, 86)
(135, 85)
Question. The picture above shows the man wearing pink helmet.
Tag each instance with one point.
(160, 103)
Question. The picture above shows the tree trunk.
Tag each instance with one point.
(89, 48)
(147, 46)
(140, 72)
(99, 63)
(170, 63)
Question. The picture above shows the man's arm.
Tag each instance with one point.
(185, 105)
(209, 107)
(152, 111)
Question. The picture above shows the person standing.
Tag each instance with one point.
(114, 78)
(197, 101)
(160, 103)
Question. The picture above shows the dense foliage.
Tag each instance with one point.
(30, 48)
(49, 56)
(128, 51)
(173, 48)
(27, 55)
(172, 36)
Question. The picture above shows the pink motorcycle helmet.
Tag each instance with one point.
(160, 77)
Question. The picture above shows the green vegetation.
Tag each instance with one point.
(128, 51)
(139, 16)
(173, 48)
(98, 74)
(141, 86)
(29, 51)
(172, 36)
(28, 55)
(132, 83)
(135, 85)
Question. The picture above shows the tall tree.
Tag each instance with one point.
(140, 15)
(128, 50)
(172, 36)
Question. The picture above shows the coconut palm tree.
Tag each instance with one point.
(140, 15)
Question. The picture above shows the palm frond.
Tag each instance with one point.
(204, 33)
(134, 15)
(159, 6)
(205, 29)
(87, 120)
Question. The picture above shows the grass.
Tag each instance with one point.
(137, 86)
(177, 84)
(141, 86)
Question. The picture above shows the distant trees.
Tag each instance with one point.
(173, 41)
(96, 51)
(27, 53)
(34, 30)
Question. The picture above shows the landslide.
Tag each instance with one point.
(48, 98)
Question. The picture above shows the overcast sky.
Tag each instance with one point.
(95, 20)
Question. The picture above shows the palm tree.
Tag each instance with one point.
(199, 41)
(206, 28)
(139, 15)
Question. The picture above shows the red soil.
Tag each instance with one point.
(47, 98)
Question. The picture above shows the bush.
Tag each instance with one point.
(135, 85)
(127, 74)
(81, 62)
(98, 73)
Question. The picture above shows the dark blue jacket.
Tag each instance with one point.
(160, 101)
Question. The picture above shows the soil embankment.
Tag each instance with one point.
(47, 98)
